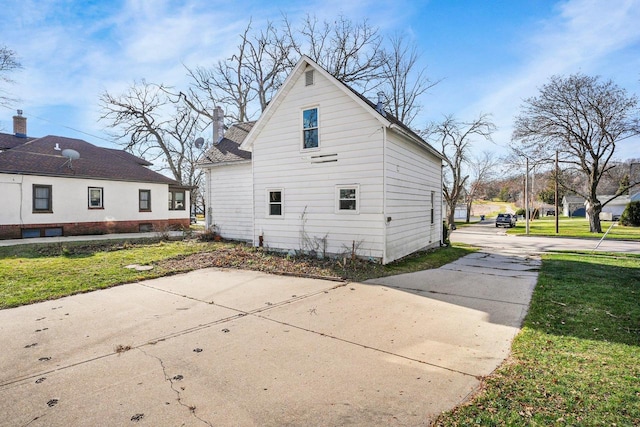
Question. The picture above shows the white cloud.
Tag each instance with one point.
(585, 36)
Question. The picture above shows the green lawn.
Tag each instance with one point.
(574, 227)
(31, 273)
(577, 359)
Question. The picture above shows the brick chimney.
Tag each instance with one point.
(20, 125)
(218, 125)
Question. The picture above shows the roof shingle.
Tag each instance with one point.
(39, 156)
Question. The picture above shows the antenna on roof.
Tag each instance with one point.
(71, 155)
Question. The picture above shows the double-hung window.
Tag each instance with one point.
(42, 198)
(433, 206)
(144, 200)
(95, 198)
(348, 198)
(176, 200)
(275, 201)
(310, 136)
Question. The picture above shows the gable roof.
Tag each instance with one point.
(228, 149)
(387, 119)
(39, 156)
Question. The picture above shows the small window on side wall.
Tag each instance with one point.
(310, 136)
(42, 199)
(144, 200)
(433, 206)
(95, 198)
(275, 203)
(348, 199)
(176, 200)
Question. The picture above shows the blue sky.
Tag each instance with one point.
(490, 54)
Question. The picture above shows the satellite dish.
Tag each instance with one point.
(199, 142)
(70, 154)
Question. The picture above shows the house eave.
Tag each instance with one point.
(210, 165)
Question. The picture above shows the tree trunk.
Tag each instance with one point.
(451, 217)
(593, 212)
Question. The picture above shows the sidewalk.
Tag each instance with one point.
(88, 238)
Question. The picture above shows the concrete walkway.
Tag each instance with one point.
(224, 347)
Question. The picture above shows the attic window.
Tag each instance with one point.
(308, 78)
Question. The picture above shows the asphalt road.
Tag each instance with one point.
(486, 235)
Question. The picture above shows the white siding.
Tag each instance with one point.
(70, 201)
(411, 175)
(351, 136)
(230, 198)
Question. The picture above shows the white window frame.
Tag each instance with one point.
(355, 211)
(101, 204)
(269, 203)
(303, 129)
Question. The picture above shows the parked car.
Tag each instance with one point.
(551, 212)
(505, 220)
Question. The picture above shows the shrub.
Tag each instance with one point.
(631, 214)
(520, 212)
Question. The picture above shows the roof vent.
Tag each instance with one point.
(380, 105)
(308, 78)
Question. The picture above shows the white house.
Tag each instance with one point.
(54, 186)
(614, 208)
(325, 171)
(573, 206)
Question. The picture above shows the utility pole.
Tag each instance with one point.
(526, 193)
(556, 189)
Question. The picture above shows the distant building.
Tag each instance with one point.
(55, 186)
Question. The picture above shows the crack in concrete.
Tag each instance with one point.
(240, 314)
(376, 349)
(167, 377)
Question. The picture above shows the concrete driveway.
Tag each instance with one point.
(224, 347)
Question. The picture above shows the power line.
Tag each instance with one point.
(29, 115)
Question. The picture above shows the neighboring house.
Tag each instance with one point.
(327, 172)
(54, 186)
(635, 197)
(614, 208)
(573, 206)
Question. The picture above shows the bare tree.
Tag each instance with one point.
(254, 72)
(350, 51)
(482, 169)
(8, 63)
(583, 118)
(403, 83)
(455, 138)
(156, 128)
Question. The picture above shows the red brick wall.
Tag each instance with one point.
(88, 228)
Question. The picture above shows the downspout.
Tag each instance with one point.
(253, 203)
(208, 208)
(384, 194)
(441, 223)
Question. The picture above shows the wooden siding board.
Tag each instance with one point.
(411, 176)
(231, 201)
(279, 162)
